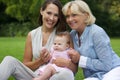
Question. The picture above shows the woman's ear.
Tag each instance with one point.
(41, 12)
(86, 18)
(87, 15)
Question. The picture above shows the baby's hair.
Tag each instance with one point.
(65, 34)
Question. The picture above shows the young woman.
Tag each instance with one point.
(93, 51)
(51, 21)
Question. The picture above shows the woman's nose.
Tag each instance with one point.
(70, 18)
(51, 17)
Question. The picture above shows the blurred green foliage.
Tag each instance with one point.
(20, 16)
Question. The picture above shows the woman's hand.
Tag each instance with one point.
(61, 62)
(45, 55)
(74, 55)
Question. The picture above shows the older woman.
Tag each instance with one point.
(93, 51)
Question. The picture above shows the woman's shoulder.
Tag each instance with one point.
(96, 29)
(35, 31)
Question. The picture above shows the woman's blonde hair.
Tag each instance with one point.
(79, 7)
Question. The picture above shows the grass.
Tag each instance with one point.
(15, 47)
(12, 46)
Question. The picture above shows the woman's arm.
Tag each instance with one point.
(28, 56)
(103, 50)
(65, 63)
(72, 66)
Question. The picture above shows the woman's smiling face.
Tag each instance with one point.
(50, 15)
(76, 21)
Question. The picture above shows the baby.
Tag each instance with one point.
(62, 43)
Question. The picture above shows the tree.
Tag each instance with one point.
(22, 10)
(107, 13)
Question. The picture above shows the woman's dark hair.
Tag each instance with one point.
(61, 24)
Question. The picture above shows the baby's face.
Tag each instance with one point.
(60, 43)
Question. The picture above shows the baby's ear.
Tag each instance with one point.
(67, 46)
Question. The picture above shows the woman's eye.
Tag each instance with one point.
(74, 15)
(59, 44)
(49, 13)
(56, 15)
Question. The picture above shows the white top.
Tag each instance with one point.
(37, 38)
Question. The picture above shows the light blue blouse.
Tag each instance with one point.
(97, 56)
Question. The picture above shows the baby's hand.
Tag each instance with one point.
(44, 50)
(45, 55)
